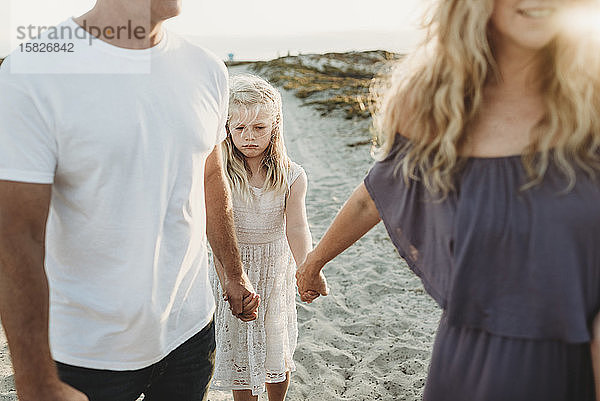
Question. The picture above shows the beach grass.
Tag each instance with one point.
(331, 82)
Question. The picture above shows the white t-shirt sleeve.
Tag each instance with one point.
(27, 146)
(224, 107)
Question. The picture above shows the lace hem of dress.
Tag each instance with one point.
(270, 378)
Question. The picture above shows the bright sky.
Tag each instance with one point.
(213, 18)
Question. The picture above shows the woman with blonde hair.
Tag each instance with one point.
(489, 187)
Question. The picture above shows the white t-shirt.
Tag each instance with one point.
(126, 253)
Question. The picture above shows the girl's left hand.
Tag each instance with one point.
(311, 282)
(309, 296)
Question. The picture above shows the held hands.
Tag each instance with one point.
(311, 282)
(243, 301)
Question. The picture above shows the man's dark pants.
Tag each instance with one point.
(183, 375)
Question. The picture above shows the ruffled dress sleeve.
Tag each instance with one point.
(294, 172)
(419, 226)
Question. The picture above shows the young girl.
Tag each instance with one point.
(272, 230)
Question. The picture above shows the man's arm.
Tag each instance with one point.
(24, 304)
(221, 235)
(250, 303)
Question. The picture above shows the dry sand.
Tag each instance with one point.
(371, 338)
(7, 387)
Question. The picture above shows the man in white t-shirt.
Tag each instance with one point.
(110, 185)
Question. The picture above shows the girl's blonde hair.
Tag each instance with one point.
(250, 95)
(436, 93)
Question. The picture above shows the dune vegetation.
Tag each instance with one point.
(332, 83)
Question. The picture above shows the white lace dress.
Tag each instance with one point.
(248, 355)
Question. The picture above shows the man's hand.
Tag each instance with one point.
(250, 308)
(243, 301)
(56, 391)
(311, 281)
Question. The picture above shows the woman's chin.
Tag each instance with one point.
(165, 9)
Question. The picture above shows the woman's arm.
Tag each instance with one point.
(595, 349)
(355, 219)
(297, 230)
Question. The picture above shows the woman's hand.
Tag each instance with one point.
(358, 215)
(311, 281)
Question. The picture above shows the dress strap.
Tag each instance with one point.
(293, 173)
(295, 170)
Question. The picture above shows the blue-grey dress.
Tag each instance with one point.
(516, 272)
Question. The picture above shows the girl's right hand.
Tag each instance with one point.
(250, 305)
(249, 308)
(243, 300)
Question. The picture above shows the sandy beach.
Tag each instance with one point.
(371, 338)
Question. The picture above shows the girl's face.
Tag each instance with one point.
(527, 24)
(250, 135)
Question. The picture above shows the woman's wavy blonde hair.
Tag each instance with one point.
(435, 93)
(250, 94)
